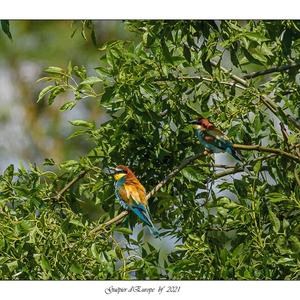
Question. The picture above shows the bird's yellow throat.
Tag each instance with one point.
(118, 176)
(197, 126)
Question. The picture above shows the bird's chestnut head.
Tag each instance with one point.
(118, 172)
(201, 123)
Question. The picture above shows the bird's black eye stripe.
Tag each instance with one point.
(120, 171)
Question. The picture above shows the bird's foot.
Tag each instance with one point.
(207, 152)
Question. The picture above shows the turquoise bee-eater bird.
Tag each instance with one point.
(213, 139)
(132, 195)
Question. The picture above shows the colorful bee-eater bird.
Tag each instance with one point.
(132, 195)
(213, 139)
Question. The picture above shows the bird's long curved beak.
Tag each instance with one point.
(193, 122)
(109, 170)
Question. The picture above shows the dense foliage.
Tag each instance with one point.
(227, 224)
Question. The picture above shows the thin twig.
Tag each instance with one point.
(284, 134)
(297, 177)
(230, 83)
(183, 164)
(216, 166)
(228, 172)
(269, 103)
(242, 169)
(271, 70)
(69, 184)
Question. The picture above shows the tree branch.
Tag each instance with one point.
(69, 184)
(183, 164)
(271, 70)
(241, 169)
(162, 183)
(269, 103)
(268, 150)
(233, 83)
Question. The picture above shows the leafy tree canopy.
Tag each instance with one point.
(61, 221)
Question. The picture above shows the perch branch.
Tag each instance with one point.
(183, 164)
(271, 70)
(162, 183)
(69, 184)
(268, 150)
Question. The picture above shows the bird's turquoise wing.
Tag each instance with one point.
(222, 142)
(143, 214)
(215, 141)
(210, 145)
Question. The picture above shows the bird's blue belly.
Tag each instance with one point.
(118, 186)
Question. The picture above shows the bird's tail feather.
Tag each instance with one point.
(236, 155)
(154, 231)
(240, 159)
(142, 212)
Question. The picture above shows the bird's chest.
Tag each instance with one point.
(121, 194)
(207, 141)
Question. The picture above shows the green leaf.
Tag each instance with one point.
(187, 53)
(166, 52)
(108, 94)
(103, 72)
(76, 268)
(83, 123)
(195, 107)
(5, 28)
(140, 235)
(259, 56)
(44, 91)
(12, 265)
(284, 260)
(55, 92)
(192, 175)
(49, 162)
(194, 238)
(94, 251)
(241, 187)
(119, 253)
(69, 164)
(148, 39)
(207, 66)
(67, 106)
(275, 221)
(266, 50)
(276, 197)
(55, 70)
(76, 222)
(45, 264)
(255, 36)
(295, 243)
(292, 138)
(77, 133)
(257, 167)
(91, 80)
(9, 173)
(93, 37)
(123, 230)
(70, 68)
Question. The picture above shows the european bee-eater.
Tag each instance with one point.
(132, 195)
(213, 139)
